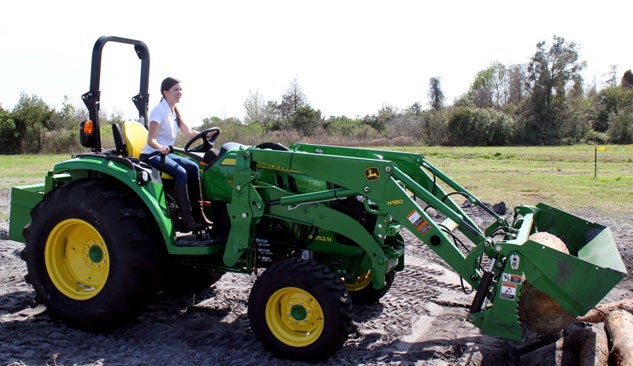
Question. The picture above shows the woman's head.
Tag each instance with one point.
(170, 89)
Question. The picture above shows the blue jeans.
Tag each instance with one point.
(182, 169)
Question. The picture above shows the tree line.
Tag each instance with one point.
(543, 102)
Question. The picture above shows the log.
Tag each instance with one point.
(595, 352)
(549, 356)
(538, 311)
(590, 344)
(619, 326)
(600, 312)
(580, 346)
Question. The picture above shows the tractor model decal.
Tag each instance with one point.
(268, 166)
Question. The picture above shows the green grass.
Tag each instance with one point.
(18, 170)
(562, 176)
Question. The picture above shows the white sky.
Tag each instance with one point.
(350, 57)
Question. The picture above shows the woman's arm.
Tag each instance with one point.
(151, 138)
(189, 132)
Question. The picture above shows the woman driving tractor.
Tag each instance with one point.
(164, 124)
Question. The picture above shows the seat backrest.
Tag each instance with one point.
(135, 137)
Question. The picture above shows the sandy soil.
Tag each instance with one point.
(421, 320)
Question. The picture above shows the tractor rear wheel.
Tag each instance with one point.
(91, 256)
(300, 310)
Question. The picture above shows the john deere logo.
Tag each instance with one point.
(372, 174)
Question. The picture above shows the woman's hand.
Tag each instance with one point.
(165, 150)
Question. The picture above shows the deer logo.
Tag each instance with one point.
(372, 174)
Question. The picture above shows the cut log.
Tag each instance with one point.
(549, 240)
(595, 349)
(580, 346)
(590, 344)
(537, 310)
(548, 355)
(600, 312)
(619, 326)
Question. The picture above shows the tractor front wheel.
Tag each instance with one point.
(90, 254)
(300, 310)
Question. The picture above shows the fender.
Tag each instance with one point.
(139, 180)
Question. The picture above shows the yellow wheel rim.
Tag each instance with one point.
(294, 317)
(361, 282)
(77, 259)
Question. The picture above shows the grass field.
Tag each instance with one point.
(562, 176)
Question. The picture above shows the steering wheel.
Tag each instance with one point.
(207, 141)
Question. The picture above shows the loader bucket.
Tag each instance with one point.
(578, 280)
(571, 284)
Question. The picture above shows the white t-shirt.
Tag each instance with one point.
(168, 126)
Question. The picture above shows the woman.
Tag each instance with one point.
(164, 124)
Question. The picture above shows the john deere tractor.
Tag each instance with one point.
(319, 225)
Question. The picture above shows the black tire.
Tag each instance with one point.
(300, 310)
(272, 146)
(91, 255)
(363, 293)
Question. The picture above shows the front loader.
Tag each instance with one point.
(319, 225)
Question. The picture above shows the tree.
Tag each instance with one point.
(627, 80)
(255, 108)
(291, 102)
(549, 74)
(379, 121)
(31, 116)
(621, 127)
(414, 110)
(608, 102)
(435, 127)
(516, 84)
(436, 95)
(342, 126)
(271, 118)
(406, 126)
(66, 118)
(479, 127)
(8, 134)
(576, 120)
(306, 120)
(613, 72)
(488, 89)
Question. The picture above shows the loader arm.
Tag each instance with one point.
(379, 181)
(394, 187)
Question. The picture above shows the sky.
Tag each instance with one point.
(349, 57)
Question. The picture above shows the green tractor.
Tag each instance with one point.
(320, 226)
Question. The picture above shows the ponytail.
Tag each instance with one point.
(178, 118)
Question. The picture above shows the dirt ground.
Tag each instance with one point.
(420, 321)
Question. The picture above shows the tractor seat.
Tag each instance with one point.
(135, 137)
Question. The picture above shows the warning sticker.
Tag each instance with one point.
(424, 227)
(416, 219)
(512, 278)
(508, 291)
